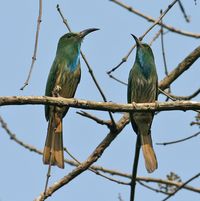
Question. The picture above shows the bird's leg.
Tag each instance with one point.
(56, 91)
(134, 105)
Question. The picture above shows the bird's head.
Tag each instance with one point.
(73, 38)
(143, 49)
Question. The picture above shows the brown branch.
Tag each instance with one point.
(39, 20)
(96, 171)
(94, 118)
(153, 189)
(155, 37)
(89, 161)
(89, 68)
(150, 19)
(177, 141)
(181, 68)
(102, 106)
(184, 97)
(180, 187)
(98, 168)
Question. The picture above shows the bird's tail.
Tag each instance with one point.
(148, 152)
(53, 150)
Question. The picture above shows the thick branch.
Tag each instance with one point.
(103, 106)
(97, 168)
(89, 161)
(181, 68)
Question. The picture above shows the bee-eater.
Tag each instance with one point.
(63, 80)
(143, 88)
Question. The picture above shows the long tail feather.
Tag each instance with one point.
(149, 154)
(53, 150)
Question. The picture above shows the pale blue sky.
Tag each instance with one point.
(22, 172)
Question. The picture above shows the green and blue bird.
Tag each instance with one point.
(63, 80)
(143, 88)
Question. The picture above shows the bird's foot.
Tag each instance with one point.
(56, 91)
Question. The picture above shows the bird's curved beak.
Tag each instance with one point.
(85, 32)
(138, 42)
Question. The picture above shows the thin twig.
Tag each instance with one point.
(177, 141)
(95, 171)
(159, 19)
(146, 32)
(153, 189)
(155, 37)
(180, 187)
(135, 166)
(187, 19)
(94, 118)
(150, 19)
(39, 20)
(186, 97)
(89, 69)
(125, 59)
(163, 54)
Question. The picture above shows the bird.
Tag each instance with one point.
(63, 79)
(143, 88)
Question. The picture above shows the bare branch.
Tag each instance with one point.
(177, 141)
(181, 68)
(153, 189)
(180, 187)
(146, 32)
(96, 171)
(98, 168)
(102, 106)
(39, 20)
(187, 19)
(89, 161)
(96, 119)
(150, 19)
(185, 97)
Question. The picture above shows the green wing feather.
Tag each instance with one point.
(50, 84)
(66, 79)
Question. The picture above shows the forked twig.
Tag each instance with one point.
(39, 20)
(180, 187)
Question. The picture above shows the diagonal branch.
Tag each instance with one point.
(98, 168)
(89, 161)
(150, 19)
(146, 32)
(177, 141)
(181, 68)
(180, 187)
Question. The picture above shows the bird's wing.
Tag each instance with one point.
(130, 96)
(51, 83)
(67, 80)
